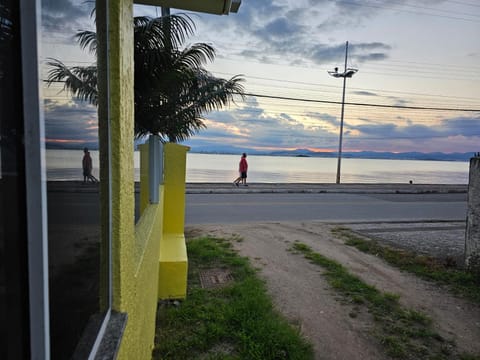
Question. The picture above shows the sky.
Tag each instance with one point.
(424, 55)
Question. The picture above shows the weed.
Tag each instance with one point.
(237, 321)
(404, 333)
(459, 281)
(474, 266)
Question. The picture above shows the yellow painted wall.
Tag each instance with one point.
(173, 261)
(135, 248)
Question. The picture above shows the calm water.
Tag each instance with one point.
(66, 165)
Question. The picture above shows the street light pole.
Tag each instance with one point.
(347, 73)
(340, 140)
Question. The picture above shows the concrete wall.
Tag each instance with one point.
(175, 170)
(136, 248)
(173, 261)
(472, 235)
(172, 273)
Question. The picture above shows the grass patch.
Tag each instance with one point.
(237, 321)
(404, 333)
(459, 281)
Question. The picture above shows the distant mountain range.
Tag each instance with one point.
(381, 155)
(439, 156)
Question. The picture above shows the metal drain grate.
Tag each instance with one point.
(213, 278)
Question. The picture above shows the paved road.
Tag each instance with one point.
(329, 207)
(70, 203)
(433, 216)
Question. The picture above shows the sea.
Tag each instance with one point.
(66, 165)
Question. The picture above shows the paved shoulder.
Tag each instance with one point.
(227, 188)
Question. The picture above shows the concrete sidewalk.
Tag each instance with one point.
(228, 188)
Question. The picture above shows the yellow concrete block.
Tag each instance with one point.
(175, 158)
(173, 269)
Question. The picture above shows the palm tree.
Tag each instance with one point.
(172, 90)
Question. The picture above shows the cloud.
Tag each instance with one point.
(364, 93)
(323, 53)
(280, 28)
(364, 52)
(62, 19)
(73, 121)
(254, 127)
(465, 127)
(292, 32)
(278, 31)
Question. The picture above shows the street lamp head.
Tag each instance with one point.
(350, 72)
(347, 74)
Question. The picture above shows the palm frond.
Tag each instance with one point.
(87, 39)
(163, 32)
(195, 56)
(80, 81)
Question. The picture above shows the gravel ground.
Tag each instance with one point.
(442, 240)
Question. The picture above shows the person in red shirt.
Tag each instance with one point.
(242, 169)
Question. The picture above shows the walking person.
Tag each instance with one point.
(242, 169)
(87, 167)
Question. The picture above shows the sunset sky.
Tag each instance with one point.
(408, 53)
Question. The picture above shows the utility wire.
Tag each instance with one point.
(350, 87)
(346, 103)
(353, 95)
(463, 3)
(401, 3)
(362, 104)
(408, 11)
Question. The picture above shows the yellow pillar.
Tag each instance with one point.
(172, 281)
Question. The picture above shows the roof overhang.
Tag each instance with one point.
(219, 7)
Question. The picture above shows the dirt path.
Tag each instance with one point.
(301, 293)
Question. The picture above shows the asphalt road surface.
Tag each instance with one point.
(328, 207)
(80, 207)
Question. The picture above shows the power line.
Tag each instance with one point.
(408, 11)
(430, 8)
(354, 88)
(229, 46)
(362, 104)
(407, 72)
(329, 94)
(427, 64)
(310, 108)
(347, 103)
(313, 119)
(463, 3)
